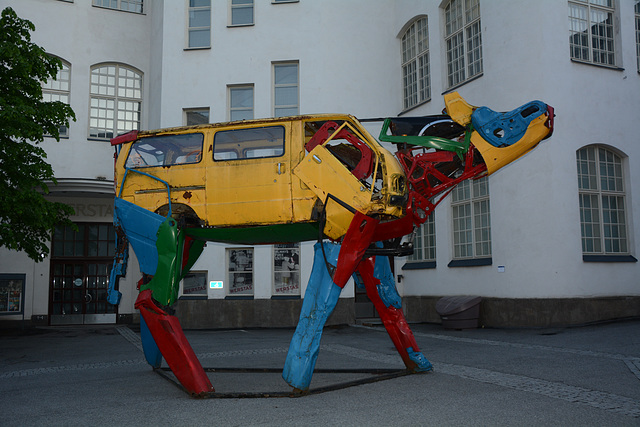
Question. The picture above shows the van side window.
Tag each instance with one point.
(166, 150)
(251, 143)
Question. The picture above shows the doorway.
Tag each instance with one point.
(81, 262)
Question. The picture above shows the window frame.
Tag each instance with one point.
(201, 293)
(191, 156)
(294, 289)
(248, 4)
(116, 98)
(49, 90)
(197, 110)
(594, 190)
(230, 293)
(478, 203)
(424, 248)
(574, 20)
(468, 62)
(119, 5)
(12, 293)
(637, 20)
(190, 29)
(243, 155)
(231, 110)
(415, 63)
(276, 86)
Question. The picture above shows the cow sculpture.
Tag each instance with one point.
(292, 179)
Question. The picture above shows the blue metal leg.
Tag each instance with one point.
(149, 346)
(320, 299)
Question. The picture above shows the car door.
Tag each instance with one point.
(249, 182)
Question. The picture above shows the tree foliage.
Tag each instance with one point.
(27, 218)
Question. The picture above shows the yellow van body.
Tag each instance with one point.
(261, 173)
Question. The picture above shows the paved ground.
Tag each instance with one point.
(587, 376)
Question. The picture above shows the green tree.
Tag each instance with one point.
(27, 219)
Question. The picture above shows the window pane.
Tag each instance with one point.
(242, 98)
(286, 74)
(199, 38)
(166, 150)
(194, 283)
(200, 18)
(286, 95)
(249, 143)
(286, 267)
(242, 15)
(240, 270)
(196, 117)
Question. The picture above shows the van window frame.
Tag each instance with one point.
(242, 156)
(197, 158)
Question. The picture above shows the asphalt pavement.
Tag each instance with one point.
(97, 375)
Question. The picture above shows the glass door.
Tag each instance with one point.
(81, 262)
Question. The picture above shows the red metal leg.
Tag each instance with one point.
(173, 345)
(394, 321)
(358, 238)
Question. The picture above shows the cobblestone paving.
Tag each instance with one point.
(578, 395)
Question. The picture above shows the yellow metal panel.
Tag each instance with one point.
(251, 191)
(458, 109)
(497, 157)
(324, 175)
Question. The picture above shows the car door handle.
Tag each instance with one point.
(281, 168)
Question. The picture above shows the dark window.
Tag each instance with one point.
(249, 143)
(166, 150)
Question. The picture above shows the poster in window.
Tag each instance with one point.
(11, 293)
(286, 268)
(240, 271)
(195, 284)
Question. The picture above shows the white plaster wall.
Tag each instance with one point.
(341, 68)
(534, 202)
(84, 35)
(349, 56)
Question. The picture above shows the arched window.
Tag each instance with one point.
(463, 40)
(415, 64)
(59, 89)
(601, 190)
(116, 100)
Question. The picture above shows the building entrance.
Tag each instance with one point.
(81, 262)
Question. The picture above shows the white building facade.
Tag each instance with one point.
(551, 239)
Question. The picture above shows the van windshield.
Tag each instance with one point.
(166, 150)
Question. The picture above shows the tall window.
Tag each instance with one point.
(602, 201)
(591, 31)
(241, 102)
(116, 100)
(415, 64)
(286, 269)
(58, 89)
(285, 89)
(463, 40)
(199, 31)
(471, 219)
(240, 272)
(195, 116)
(127, 5)
(241, 12)
(637, 13)
(424, 246)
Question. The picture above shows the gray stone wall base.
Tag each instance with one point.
(533, 312)
(258, 313)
